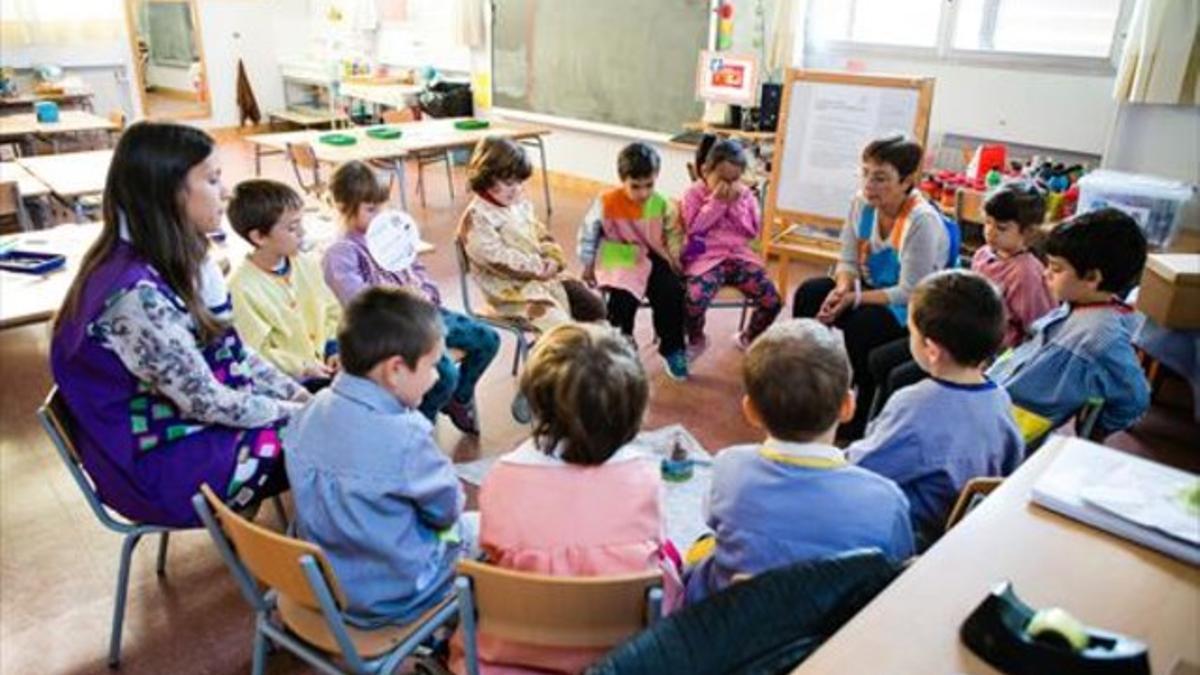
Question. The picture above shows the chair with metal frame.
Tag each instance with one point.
(516, 327)
(299, 603)
(552, 611)
(424, 157)
(58, 423)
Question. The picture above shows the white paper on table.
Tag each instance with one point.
(393, 240)
(1148, 498)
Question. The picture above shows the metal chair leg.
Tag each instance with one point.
(118, 620)
(162, 554)
(259, 663)
(450, 174)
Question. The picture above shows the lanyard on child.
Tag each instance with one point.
(771, 454)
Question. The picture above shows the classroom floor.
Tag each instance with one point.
(58, 565)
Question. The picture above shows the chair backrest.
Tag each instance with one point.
(10, 198)
(117, 117)
(545, 610)
(765, 624)
(272, 558)
(464, 274)
(398, 116)
(970, 497)
(302, 156)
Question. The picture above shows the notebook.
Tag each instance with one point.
(1148, 503)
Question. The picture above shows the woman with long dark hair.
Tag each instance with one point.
(164, 395)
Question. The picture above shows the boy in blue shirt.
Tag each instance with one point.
(934, 436)
(794, 497)
(370, 485)
(1083, 350)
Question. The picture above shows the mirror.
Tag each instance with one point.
(171, 74)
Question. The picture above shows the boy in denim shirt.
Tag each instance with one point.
(370, 485)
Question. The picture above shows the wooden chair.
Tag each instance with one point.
(59, 425)
(518, 328)
(117, 117)
(970, 497)
(299, 603)
(550, 611)
(13, 217)
(303, 158)
(422, 157)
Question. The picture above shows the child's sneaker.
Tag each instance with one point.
(520, 409)
(676, 365)
(740, 341)
(696, 347)
(462, 416)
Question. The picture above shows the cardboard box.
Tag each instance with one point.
(1170, 292)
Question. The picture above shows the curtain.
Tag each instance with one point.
(472, 26)
(42, 22)
(1161, 59)
(786, 39)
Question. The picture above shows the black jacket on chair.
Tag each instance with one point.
(766, 624)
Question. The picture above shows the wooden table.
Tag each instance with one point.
(1106, 582)
(425, 135)
(83, 100)
(27, 183)
(26, 298)
(69, 122)
(71, 175)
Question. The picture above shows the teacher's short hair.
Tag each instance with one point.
(902, 152)
(382, 322)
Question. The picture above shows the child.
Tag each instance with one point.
(1010, 214)
(515, 262)
(370, 485)
(633, 231)
(349, 268)
(281, 305)
(720, 217)
(955, 325)
(576, 499)
(794, 497)
(1081, 350)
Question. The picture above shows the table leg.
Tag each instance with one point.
(398, 165)
(257, 160)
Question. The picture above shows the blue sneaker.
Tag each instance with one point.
(676, 365)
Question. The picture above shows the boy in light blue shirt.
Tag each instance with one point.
(1083, 350)
(370, 485)
(934, 436)
(794, 497)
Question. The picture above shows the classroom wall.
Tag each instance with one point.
(1160, 139)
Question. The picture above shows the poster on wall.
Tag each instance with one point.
(728, 78)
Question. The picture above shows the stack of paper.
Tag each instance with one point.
(1143, 501)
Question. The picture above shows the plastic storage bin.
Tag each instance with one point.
(1164, 208)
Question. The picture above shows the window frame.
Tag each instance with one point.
(945, 52)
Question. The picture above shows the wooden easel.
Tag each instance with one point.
(791, 228)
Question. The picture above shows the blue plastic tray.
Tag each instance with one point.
(31, 262)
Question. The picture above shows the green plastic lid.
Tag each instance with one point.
(384, 133)
(471, 125)
(338, 139)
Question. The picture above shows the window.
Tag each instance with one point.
(912, 23)
(1062, 27)
(1054, 29)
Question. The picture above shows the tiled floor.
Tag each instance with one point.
(58, 566)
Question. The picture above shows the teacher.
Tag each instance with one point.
(892, 239)
(163, 393)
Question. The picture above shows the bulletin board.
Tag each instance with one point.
(825, 120)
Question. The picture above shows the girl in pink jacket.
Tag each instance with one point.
(721, 222)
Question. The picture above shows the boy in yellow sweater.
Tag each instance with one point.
(281, 305)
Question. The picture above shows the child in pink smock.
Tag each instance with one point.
(576, 499)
